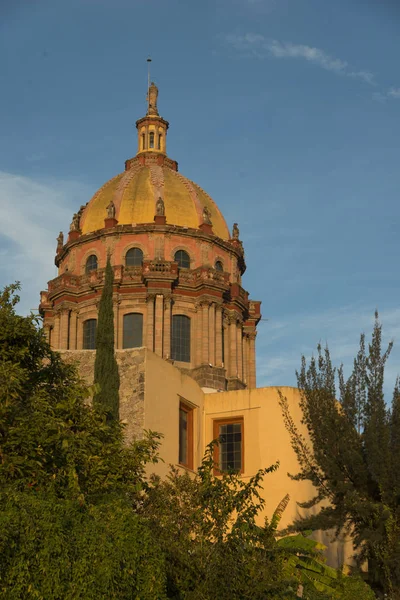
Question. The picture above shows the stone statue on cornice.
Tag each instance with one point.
(207, 215)
(60, 241)
(111, 210)
(75, 223)
(160, 207)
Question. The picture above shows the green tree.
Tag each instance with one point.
(106, 375)
(79, 519)
(214, 546)
(352, 456)
(69, 487)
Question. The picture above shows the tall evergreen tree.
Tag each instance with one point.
(106, 374)
(352, 456)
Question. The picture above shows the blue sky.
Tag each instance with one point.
(286, 111)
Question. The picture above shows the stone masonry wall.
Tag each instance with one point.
(131, 366)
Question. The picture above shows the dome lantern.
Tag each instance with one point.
(152, 129)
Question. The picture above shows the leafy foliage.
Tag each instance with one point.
(69, 486)
(208, 529)
(79, 519)
(54, 548)
(106, 374)
(318, 579)
(353, 456)
(213, 546)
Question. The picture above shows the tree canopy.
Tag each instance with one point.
(352, 456)
(79, 518)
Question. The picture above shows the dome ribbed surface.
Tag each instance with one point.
(136, 191)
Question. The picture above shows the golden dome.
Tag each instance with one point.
(136, 191)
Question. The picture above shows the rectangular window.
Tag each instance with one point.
(132, 330)
(185, 435)
(89, 334)
(229, 454)
(180, 338)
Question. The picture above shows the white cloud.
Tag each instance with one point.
(33, 213)
(385, 96)
(394, 93)
(314, 55)
(261, 47)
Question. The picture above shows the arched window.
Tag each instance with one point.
(183, 259)
(159, 140)
(180, 338)
(151, 139)
(89, 334)
(219, 266)
(133, 331)
(134, 257)
(143, 141)
(91, 263)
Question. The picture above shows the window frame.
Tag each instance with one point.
(189, 410)
(84, 347)
(152, 137)
(87, 270)
(132, 250)
(190, 338)
(216, 424)
(188, 257)
(123, 329)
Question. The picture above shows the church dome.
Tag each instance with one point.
(135, 192)
(177, 270)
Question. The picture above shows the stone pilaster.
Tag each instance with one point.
(225, 333)
(198, 350)
(211, 337)
(218, 335)
(55, 338)
(246, 358)
(233, 367)
(239, 350)
(167, 327)
(252, 359)
(205, 333)
(158, 325)
(64, 329)
(47, 332)
(79, 332)
(150, 322)
(73, 329)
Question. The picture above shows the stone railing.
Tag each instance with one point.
(132, 273)
(64, 281)
(156, 269)
(160, 267)
(203, 274)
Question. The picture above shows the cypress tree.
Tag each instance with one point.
(352, 457)
(106, 374)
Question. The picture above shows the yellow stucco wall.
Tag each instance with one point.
(265, 437)
(266, 440)
(165, 387)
